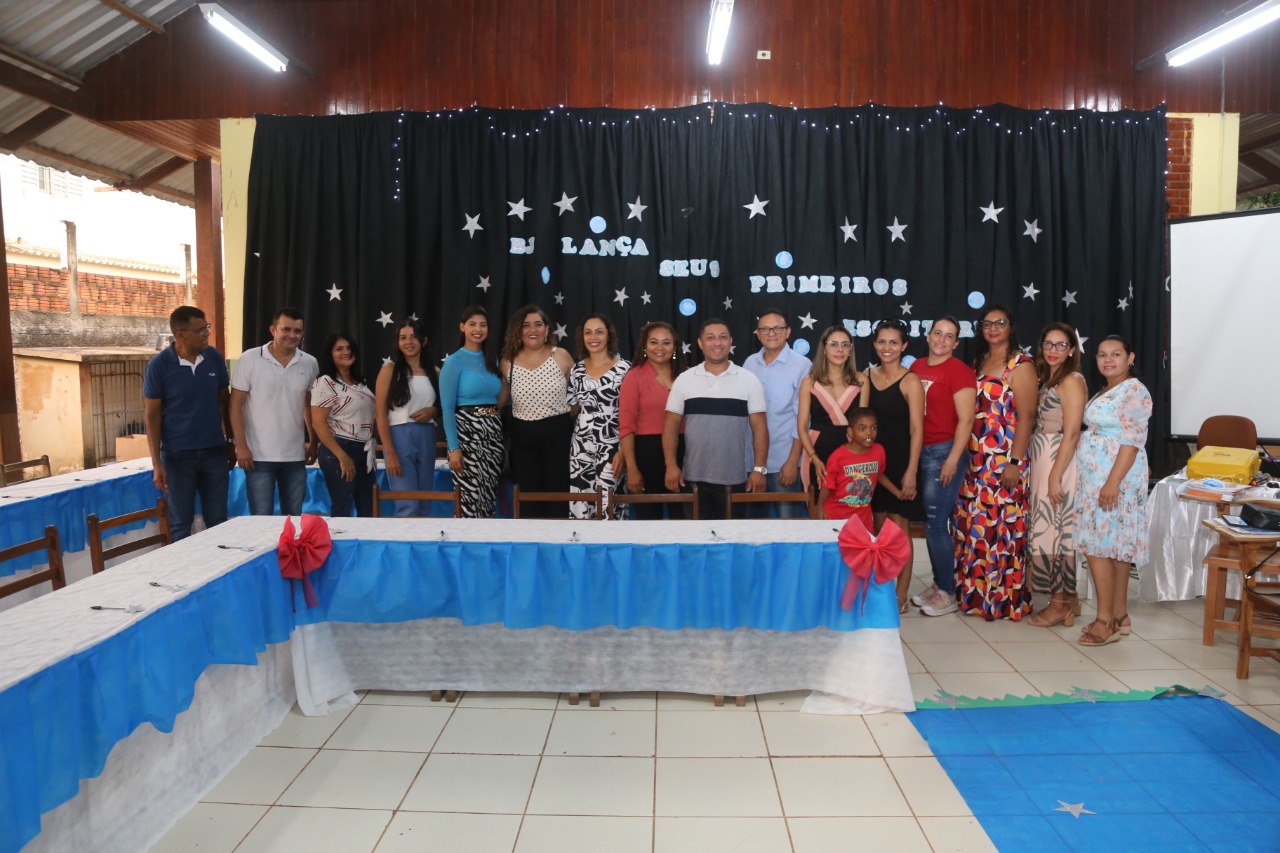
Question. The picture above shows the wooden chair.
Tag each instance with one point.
(98, 555)
(1259, 617)
(16, 472)
(518, 497)
(773, 497)
(51, 543)
(690, 497)
(1227, 431)
(454, 497)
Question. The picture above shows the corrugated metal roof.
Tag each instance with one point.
(76, 35)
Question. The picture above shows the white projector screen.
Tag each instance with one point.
(1224, 294)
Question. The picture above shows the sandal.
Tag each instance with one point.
(1124, 626)
(1059, 612)
(1091, 638)
(903, 604)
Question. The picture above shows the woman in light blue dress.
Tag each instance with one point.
(1111, 492)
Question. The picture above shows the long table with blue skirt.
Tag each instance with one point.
(113, 723)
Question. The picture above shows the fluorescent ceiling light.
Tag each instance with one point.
(1239, 25)
(236, 30)
(718, 32)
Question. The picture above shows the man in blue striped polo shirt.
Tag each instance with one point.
(721, 405)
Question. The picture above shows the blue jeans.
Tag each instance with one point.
(787, 510)
(190, 472)
(939, 503)
(415, 446)
(342, 494)
(260, 487)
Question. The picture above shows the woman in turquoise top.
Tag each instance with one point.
(471, 394)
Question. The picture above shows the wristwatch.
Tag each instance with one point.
(761, 470)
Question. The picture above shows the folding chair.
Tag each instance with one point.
(689, 497)
(771, 498)
(593, 497)
(454, 497)
(98, 555)
(16, 472)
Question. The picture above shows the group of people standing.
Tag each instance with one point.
(993, 457)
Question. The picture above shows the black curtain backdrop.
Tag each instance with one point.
(834, 216)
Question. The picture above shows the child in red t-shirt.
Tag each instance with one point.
(852, 472)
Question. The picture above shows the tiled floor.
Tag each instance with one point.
(669, 773)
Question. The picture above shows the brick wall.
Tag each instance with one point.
(1178, 181)
(109, 294)
(37, 288)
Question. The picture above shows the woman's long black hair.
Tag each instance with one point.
(328, 368)
(401, 373)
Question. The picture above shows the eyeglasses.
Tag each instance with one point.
(203, 330)
(840, 344)
(1054, 346)
(995, 324)
(771, 330)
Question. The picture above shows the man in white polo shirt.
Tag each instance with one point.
(721, 404)
(270, 399)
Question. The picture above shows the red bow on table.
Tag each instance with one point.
(867, 555)
(301, 555)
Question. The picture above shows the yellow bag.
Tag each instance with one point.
(1229, 464)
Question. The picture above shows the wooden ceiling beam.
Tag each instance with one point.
(159, 173)
(30, 130)
(1268, 141)
(41, 66)
(106, 173)
(133, 16)
(34, 86)
(1262, 166)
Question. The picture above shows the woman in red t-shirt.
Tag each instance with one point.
(642, 412)
(950, 389)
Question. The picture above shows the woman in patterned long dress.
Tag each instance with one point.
(1111, 495)
(595, 461)
(1051, 548)
(827, 396)
(471, 394)
(991, 511)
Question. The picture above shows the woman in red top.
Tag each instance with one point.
(950, 388)
(642, 412)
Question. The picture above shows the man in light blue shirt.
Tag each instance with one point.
(780, 370)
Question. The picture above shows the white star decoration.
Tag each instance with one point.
(1123, 304)
(1075, 810)
(906, 307)
(385, 319)
(896, 230)
(1081, 338)
(637, 209)
(1130, 290)
(848, 230)
(685, 349)
(948, 699)
(473, 225)
(561, 331)
(1033, 229)
(334, 292)
(728, 303)
(518, 209)
(1210, 692)
(1070, 298)
(1081, 692)
(413, 317)
(807, 321)
(620, 297)
(646, 298)
(991, 212)
(565, 203)
(1029, 291)
(386, 359)
(756, 206)
(559, 298)
(484, 283)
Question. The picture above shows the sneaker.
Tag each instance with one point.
(940, 605)
(920, 598)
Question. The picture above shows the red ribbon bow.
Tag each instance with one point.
(300, 556)
(883, 556)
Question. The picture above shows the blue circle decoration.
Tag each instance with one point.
(783, 260)
(908, 360)
(597, 224)
(546, 276)
(688, 307)
(977, 300)
(801, 346)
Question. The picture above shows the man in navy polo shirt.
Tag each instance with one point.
(187, 393)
